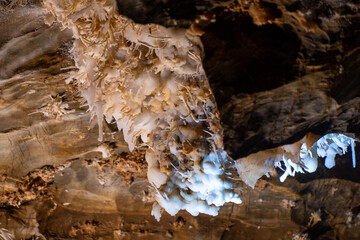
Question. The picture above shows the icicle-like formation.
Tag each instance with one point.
(353, 152)
(150, 80)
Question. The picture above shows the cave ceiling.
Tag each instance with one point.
(279, 71)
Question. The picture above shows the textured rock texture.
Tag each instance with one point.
(278, 69)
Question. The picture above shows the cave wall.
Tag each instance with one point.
(278, 69)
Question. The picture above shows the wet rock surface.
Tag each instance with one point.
(278, 69)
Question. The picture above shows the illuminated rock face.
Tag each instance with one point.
(61, 181)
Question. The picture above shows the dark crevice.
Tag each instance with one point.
(172, 13)
(245, 58)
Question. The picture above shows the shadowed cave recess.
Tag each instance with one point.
(265, 91)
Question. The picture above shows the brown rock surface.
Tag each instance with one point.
(279, 69)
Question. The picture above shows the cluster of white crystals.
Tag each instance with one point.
(301, 157)
(150, 81)
(332, 144)
(197, 193)
(326, 147)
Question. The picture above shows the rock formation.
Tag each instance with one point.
(270, 76)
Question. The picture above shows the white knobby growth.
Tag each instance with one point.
(332, 144)
(301, 156)
(326, 147)
(197, 193)
(306, 162)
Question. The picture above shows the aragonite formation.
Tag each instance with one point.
(301, 156)
(149, 80)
